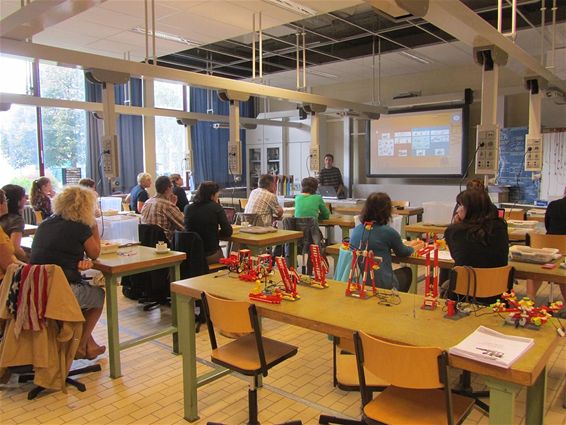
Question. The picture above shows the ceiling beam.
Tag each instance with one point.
(88, 60)
(455, 18)
(36, 16)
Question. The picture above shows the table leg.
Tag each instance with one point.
(187, 342)
(113, 327)
(501, 401)
(175, 272)
(414, 278)
(535, 400)
(293, 254)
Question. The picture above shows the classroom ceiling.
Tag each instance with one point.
(342, 39)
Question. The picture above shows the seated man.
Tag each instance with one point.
(263, 202)
(162, 210)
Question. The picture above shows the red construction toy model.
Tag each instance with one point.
(290, 279)
(319, 267)
(270, 294)
(369, 264)
(238, 262)
(258, 268)
(431, 285)
(524, 313)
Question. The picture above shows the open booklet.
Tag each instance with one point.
(489, 346)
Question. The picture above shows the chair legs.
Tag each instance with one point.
(252, 406)
(465, 388)
(325, 419)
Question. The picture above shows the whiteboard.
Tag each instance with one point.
(553, 178)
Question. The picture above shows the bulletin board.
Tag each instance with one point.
(553, 176)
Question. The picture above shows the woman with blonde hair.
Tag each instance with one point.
(64, 239)
(40, 196)
(139, 195)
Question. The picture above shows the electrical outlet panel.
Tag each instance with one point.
(533, 159)
(110, 157)
(234, 158)
(314, 163)
(487, 157)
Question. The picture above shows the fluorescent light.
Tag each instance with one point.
(293, 7)
(165, 36)
(322, 74)
(415, 57)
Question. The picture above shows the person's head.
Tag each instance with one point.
(207, 191)
(41, 186)
(475, 184)
(267, 182)
(3, 203)
(76, 203)
(309, 185)
(176, 179)
(144, 180)
(328, 160)
(16, 197)
(88, 183)
(474, 206)
(163, 185)
(377, 208)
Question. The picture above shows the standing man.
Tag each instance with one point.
(331, 176)
(263, 202)
(161, 209)
(139, 194)
(178, 191)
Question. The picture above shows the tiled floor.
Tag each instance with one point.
(150, 390)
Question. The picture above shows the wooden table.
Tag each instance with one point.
(114, 266)
(257, 241)
(515, 233)
(345, 223)
(403, 323)
(29, 229)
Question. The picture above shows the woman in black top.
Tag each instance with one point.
(478, 238)
(205, 216)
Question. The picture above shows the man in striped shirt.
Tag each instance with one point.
(331, 176)
(162, 210)
(263, 201)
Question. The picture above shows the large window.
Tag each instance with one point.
(170, 137)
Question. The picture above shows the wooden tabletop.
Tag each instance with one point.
(522, 270)
(338, 220)
(329, 311)
(515, 233)
(142, 256)
(29, 229)
(264, 239)
(356, 209)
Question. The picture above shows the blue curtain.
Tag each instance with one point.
(130, 136)
(210, 146)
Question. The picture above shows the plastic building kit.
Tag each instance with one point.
(523, 312)
(290, 280)
(369, 264)
(431, 285)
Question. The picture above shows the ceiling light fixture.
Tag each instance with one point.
(293, 7)
(165, 36)
(415, 57)
(322, 74)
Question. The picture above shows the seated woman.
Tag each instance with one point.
(206, 217)
(478, 238)
(381, 239)
(6, 247)
(64, 239)
(308, 203)
(13, 223)
(41, 194)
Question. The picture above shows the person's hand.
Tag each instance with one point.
(417, 244)
(84, 265)
(456, 219)
(173, 198)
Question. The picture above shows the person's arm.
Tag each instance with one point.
(143, 196)
(16, 238)
(323, 211)
(276, 209)
(176, 217)
(92, 244)
(127, 198)
(547, 215)
(397, 245)
(225, 227)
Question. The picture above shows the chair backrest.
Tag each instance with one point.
(539, 240)
(38, 217)
(228, 316)
(403, 366)
(477, 282)
(191, 244)
(243, 203)
(230, 214)
(29, 215)
(150, 234)
(515, 214)
(310, 229)
(399, 203)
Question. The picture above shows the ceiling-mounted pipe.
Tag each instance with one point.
(553, 48)
(298, 62)
(153, 32)
(146, 32)
(542, 24)
(253, 46)
(260, 49)
(514, 20)
(304, 61)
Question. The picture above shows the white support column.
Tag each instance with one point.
(149, 160)
(314, 163)
(533, 139)
(234, 144)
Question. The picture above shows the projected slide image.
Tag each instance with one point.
(385, 147)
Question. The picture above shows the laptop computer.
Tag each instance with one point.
(327, 192)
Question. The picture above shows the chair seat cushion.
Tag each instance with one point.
(347, 374)
(241, 355)
(407, 406)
